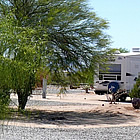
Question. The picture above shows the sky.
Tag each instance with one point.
(124, 21)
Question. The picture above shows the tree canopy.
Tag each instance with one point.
(62, 35)
(70, 35)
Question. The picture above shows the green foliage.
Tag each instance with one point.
(61, 35)
(19, 59)
(135, 92)
(70, 35)
(123, 50)
(62, 91)
(4, 103)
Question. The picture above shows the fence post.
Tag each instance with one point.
(44, 88)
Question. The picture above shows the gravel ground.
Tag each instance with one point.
(29, 133)
(51, 90)
(8, 132)
(56, 90)
(48, 103)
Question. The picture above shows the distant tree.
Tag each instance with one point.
(120, 50)
(60, 35)
(123, 50)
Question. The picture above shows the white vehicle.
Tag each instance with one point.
(124, 69)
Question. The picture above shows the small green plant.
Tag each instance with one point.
(62, 91)
(136, 90)
(86, 88)
(4, 103)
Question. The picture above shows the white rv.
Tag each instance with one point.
(124, 69)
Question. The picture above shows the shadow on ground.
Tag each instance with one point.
(75, 118)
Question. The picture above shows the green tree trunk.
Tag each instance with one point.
(22, 100)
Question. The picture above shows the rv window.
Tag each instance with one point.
(115, 68)
(112, 68)
(118, 77)
(129, 74)
(112, 73)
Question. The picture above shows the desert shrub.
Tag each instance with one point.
(135, 92)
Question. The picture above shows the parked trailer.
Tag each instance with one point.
(123, 70)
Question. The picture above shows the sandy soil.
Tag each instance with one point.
(95, 111)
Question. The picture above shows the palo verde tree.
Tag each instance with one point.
(19, 59)
(62, 35)
(4, 89)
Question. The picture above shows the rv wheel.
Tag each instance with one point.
(97, 92)
(122, 98)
